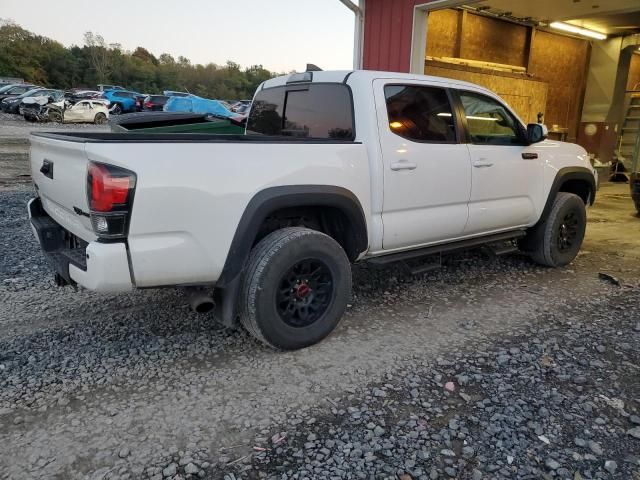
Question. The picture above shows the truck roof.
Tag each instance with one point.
(366, 76)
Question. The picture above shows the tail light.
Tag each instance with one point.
(110, 193)
(148, 104)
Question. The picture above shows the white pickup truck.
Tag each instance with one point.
(335, 167)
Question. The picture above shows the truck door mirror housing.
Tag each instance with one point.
(536, 132)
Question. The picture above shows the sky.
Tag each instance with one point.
(282, 35)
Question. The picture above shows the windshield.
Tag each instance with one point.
(7, 87)
(29, 93)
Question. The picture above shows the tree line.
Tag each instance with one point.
(43, 61)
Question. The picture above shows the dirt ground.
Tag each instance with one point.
(14, 145)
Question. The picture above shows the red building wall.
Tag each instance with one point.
(388, 26)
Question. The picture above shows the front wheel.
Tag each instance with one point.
(100, 118)
(116, 109)
(557, 241)
(54, 116)
(296, 288)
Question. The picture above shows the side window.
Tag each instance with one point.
(489, 122)
(421, 114)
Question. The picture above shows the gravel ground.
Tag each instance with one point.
(488, 368)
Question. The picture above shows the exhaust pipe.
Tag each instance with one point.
(200, 302)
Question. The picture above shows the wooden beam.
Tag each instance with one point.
(529, 47)
(462, 18)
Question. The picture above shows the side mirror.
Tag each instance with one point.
(536, 132)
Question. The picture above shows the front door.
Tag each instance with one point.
(507, 174)
(427, 172)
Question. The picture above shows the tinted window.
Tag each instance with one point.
(313, 111)
(489, 122)
(419, 113)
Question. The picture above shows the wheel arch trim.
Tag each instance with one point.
(272, 199)
(564, 175)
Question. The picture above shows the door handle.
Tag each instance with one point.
(403, 165)
(482, 164)
(529, 155)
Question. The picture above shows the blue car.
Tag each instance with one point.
(123, 101)
(195, 104)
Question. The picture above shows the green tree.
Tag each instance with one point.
(44, 61)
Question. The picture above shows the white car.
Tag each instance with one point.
(87, 111)
(335, 167)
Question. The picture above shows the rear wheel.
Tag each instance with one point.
(116, 109)
(54, 116)
(557, 241)
(100, 118)
(296, 288)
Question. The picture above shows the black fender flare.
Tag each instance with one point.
(564, 175)
(268, 201)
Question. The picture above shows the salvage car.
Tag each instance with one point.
(85, 111)
(12, 105)
(123, 101)
(194, 104)
(334, 168)
(14, 90)
(74, 96)
(36, 108)
(105, 88)
(154, 103)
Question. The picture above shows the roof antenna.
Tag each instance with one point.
(312, 68)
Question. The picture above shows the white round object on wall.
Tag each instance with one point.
(590, 129)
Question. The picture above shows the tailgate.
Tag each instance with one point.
(59, 171)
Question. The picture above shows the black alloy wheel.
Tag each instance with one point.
(568, 232)
(304, 293)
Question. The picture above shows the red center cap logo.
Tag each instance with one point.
(303, 290)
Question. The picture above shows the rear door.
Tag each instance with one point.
(59, 171)
(427, 172)
(507, 174)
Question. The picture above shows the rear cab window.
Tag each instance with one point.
(318, 111)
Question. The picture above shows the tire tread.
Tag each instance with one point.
(258, 261)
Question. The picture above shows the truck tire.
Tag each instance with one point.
(557, 241)
(295, 289)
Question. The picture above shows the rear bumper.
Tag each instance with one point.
(102, 267)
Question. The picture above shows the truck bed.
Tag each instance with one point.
(132, 137)
(191, 190)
